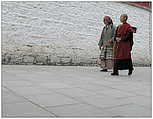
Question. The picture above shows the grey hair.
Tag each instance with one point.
(125, 15)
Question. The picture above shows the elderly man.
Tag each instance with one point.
(123, 46)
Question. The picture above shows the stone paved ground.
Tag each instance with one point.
(74, 91)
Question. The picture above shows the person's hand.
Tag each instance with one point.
(118, 39)
(99, 48)
(110, 41)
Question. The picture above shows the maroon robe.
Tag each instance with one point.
(122, 49)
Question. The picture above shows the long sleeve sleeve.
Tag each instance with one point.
(101, 39)
(129, 37)
(113, 33)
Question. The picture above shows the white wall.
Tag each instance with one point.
(66, 32)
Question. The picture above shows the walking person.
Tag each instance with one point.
(123, 43)
(106, 44)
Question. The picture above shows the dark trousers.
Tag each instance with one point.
(122, 64)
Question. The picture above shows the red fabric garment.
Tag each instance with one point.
(122, 49)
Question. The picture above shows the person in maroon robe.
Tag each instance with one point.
(123, 46)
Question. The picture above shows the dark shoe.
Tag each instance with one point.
(103, 70)
(114, 74)
(130, 72)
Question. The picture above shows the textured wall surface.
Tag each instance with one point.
(66, 32)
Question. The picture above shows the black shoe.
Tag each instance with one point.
(103, 70)
(114, 74)
(130, 72)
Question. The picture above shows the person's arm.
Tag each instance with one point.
(116, 30)
(131, 41)
(113, 34)
(101, 40)
(129, 35)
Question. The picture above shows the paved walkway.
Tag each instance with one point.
(74, 91)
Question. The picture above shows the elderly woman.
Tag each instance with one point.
(106, 44)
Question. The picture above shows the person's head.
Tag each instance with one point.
(107, 20)
(123, 18)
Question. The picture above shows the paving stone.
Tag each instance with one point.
(75, 92)
(57, 88)
(11, 98)
(17, 83)
(102, 101)
(94, 87)
(140, 100)
(26, 91)
(131, 110)
(51, 99)
(116, 93)
(25, 109)
(54, 85)
(80, 110)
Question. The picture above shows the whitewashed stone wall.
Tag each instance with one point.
(66, 32)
